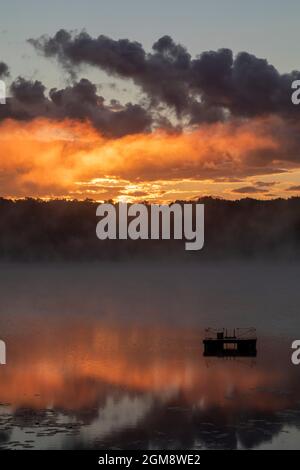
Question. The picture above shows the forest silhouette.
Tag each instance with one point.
(38, 230)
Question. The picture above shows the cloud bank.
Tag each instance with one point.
(202, 88)
(213, 117)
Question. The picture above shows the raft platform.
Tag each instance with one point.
(241, 342)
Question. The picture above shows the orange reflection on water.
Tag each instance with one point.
(75, 365)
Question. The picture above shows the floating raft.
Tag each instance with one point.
(240, 343)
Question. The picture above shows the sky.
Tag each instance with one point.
(262, 27)
(205, 158)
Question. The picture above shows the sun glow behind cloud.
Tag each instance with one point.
(70, 159)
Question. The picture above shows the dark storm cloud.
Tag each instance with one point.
(249, 190)
(162, 75)
(293, 188)
(4, 70)
(245, 85)
(265, 184)
(27, 91)
(200, 88)
(79, 101)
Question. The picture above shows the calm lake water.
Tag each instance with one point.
(111, 356)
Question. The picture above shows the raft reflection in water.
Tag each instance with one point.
(241, 342)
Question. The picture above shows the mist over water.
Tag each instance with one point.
(230, 294)
(105, 355)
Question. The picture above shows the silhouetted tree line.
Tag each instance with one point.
(33, 229)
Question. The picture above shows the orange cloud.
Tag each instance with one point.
(44, 158)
